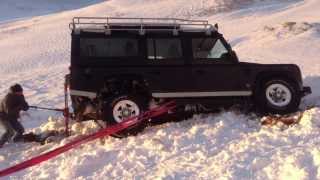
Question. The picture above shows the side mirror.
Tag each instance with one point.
(216, 26)
(233, 56)
(230, 57)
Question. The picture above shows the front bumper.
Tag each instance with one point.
(305, 91)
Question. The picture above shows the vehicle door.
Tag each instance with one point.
(215, 72)
(166, 70)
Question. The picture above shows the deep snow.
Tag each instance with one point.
(226, 145)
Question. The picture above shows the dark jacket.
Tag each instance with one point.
(12, 104)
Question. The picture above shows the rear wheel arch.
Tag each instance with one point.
(125, 83)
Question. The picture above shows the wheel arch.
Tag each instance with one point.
(125, 83)
(262, 77)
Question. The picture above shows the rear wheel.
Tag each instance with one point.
(120, 108)
(278, 96)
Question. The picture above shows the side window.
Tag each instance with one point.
(208, 48)
(113, 47)
(164, 48)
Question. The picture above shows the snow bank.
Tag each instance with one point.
(227, 145)
(20, 9)
(291, 29)
(181, 8)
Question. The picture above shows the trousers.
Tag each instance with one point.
(13, 130)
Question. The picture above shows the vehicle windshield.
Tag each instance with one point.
(208, 48)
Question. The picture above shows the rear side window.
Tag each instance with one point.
(164, 48)
(113, 47)
(208, 48)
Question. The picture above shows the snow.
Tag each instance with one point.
(35, 52)
(17, 9)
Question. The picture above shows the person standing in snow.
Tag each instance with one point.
(10, 108)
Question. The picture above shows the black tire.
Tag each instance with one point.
(110, 119)
(268, 98)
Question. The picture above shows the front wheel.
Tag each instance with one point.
(120, 108)
(278, 96)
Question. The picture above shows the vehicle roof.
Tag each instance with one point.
(140, 25)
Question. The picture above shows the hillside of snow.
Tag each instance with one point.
(11, 10)
(35, 51)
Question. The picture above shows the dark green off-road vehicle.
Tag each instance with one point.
(122, 66)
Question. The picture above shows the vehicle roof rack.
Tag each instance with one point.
(108, 24)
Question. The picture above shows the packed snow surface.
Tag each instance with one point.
(35, 51)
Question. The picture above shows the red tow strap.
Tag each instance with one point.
(104, 132)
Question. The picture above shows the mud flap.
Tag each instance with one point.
(287, 120)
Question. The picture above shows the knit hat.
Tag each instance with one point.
(16, 88)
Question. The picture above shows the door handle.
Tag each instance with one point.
(87, 73)
(200, 71)
(154, 72)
